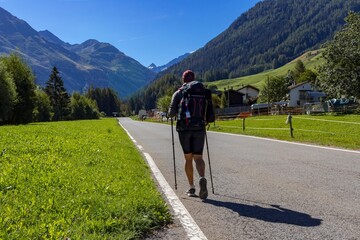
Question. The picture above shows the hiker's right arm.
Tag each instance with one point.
(174, 104)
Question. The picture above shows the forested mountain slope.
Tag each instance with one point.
(267, 36)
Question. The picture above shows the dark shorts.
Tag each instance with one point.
(192, 141)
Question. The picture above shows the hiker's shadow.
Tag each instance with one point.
(275, 214)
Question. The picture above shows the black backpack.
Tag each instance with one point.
(195, 108)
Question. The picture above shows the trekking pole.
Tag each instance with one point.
(207, 148)
(173, 147)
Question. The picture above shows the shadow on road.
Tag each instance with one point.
(275, 214)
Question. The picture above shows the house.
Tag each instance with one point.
(234, 98)
(302, 93)
(142, 114)
(249, 92)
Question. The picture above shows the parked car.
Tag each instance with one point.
(260, 108)
(316, 108)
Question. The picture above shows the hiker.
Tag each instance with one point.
(191, 131)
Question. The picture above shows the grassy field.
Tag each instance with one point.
(336, 131)
(311, 60)
(77, 180)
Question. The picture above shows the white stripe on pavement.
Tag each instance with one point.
(193, 231)
(288, 142)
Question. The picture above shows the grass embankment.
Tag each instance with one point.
(336, 131)
(311, 60)
(80, 179)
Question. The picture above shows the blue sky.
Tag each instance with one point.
(154, 31)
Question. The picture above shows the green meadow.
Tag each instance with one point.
(75, 180)
(310, 59)
(327, 130)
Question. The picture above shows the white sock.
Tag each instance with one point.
(192, 186)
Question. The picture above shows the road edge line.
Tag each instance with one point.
(293, 143)
(192, 230)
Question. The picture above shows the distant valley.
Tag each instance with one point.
(80, 65)
(158, 69)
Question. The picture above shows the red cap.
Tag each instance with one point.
(188, 76)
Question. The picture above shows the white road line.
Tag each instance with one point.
(294, 143)
(193, 231)
(327, 120)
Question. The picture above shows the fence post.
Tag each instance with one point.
(289, 121)
(243, 124)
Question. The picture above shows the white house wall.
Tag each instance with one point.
(295, 94)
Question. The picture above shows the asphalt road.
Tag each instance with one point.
(264, 189)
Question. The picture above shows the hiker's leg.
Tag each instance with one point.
(185, 139)
(200, 164)
(189, 170)
(197, 147)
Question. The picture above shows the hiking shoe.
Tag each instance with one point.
(203, 194)
(191, 192)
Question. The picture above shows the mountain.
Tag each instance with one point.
(152, 67)
(157, 69)
(267, 36)
(80, 65)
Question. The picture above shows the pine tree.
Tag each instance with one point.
(59, 98)
(299, 69)
(107, 100)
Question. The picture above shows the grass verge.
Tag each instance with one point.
(77, 180)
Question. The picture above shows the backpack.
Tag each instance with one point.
(195, 107)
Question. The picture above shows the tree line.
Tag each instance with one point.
(22, 101)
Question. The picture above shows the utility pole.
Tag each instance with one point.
(228, 96)
(268, 95)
